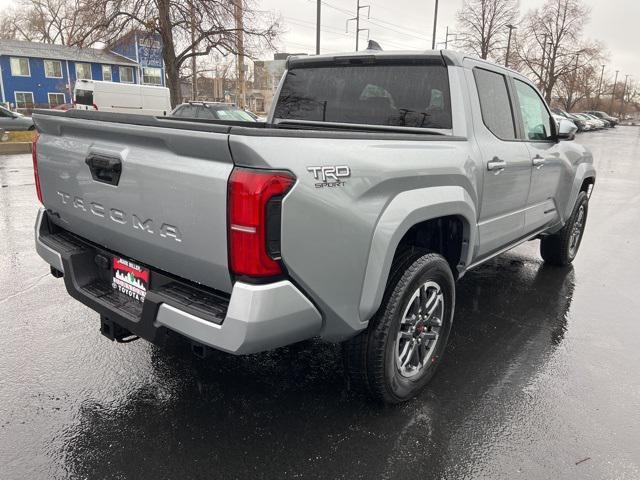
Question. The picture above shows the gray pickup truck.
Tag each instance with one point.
(378, 180)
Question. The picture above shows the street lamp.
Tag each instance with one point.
(511, 29)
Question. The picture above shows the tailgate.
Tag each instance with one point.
(167, 209)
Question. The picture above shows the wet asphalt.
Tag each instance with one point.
(541, 378)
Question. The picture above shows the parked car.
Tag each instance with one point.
(379, 179)
(212, 111)
(604, 116)
(255, 116)
(14, 121)
(121, 97)
(578, 122)
(590, 122)
(598, 121)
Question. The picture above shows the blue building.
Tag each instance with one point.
(43, 75)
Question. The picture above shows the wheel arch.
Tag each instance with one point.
(409, 214)
(583, 181)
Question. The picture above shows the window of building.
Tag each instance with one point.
(535, 116)
(106, 73)
(83, 71)
(53, 68)
(152, 76)
(20, 67)
(126, 74)
(24, 99)
(495, 103)
(56, 99)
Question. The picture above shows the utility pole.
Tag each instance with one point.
(597, 105)
(624, 90)
(240, 87)
(613, 93)
(506, 59)
(318, 11)
(435, 25)
(194, 74)
(357, 20)
(446, 38)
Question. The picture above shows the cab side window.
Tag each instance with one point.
(535, 116)
(495, 103)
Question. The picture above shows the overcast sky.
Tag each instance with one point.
(398, 24)
(407, 24)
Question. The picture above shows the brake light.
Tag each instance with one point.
(254, 220)
(34, 156)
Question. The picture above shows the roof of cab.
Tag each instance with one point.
(447, 57)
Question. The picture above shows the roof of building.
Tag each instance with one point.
(61, 52)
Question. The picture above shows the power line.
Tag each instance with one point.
(305, 23)
(372, 22)
(377, 21)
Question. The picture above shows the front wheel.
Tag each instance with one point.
(562, 247)
(396, 356)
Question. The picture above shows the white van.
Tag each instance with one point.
(121, 97)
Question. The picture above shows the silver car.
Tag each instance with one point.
(14, 121)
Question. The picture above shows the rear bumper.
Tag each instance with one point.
(253, 318)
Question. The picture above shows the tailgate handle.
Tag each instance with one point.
(104, 168)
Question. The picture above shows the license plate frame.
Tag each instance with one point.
(129, 279)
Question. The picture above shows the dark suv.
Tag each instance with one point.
(613, 121)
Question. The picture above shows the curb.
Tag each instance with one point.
(15, 147)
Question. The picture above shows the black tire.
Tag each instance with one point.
(32, 127)
(371, 356)
(561, 247)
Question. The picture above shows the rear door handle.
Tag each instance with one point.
(104, 168)
(496, 165)
(538, 161)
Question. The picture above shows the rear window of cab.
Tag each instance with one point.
(403, 95)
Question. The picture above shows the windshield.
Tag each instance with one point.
(383, 94)
(234, 114)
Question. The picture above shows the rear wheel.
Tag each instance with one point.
(562, 247)
(396, 356)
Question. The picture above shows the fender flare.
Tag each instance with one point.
(584, 171)
(403, 212)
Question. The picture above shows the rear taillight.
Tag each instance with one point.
(255, 198)
(34, 156)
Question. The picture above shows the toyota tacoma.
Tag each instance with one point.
(378, 180)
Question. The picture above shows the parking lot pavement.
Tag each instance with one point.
(541, 378)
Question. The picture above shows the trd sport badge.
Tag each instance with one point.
(330, 176)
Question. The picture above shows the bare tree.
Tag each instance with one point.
(482, 25)
(550, 45)
(64, 22)
(188, 28)
(580, 85)
(183, 37)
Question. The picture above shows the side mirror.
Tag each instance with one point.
(566, 129)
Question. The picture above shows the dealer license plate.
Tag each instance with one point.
(130, 279)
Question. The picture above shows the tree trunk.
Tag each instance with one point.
(169, 52)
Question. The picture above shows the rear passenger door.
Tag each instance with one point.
(506, 162)
(548, 162)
